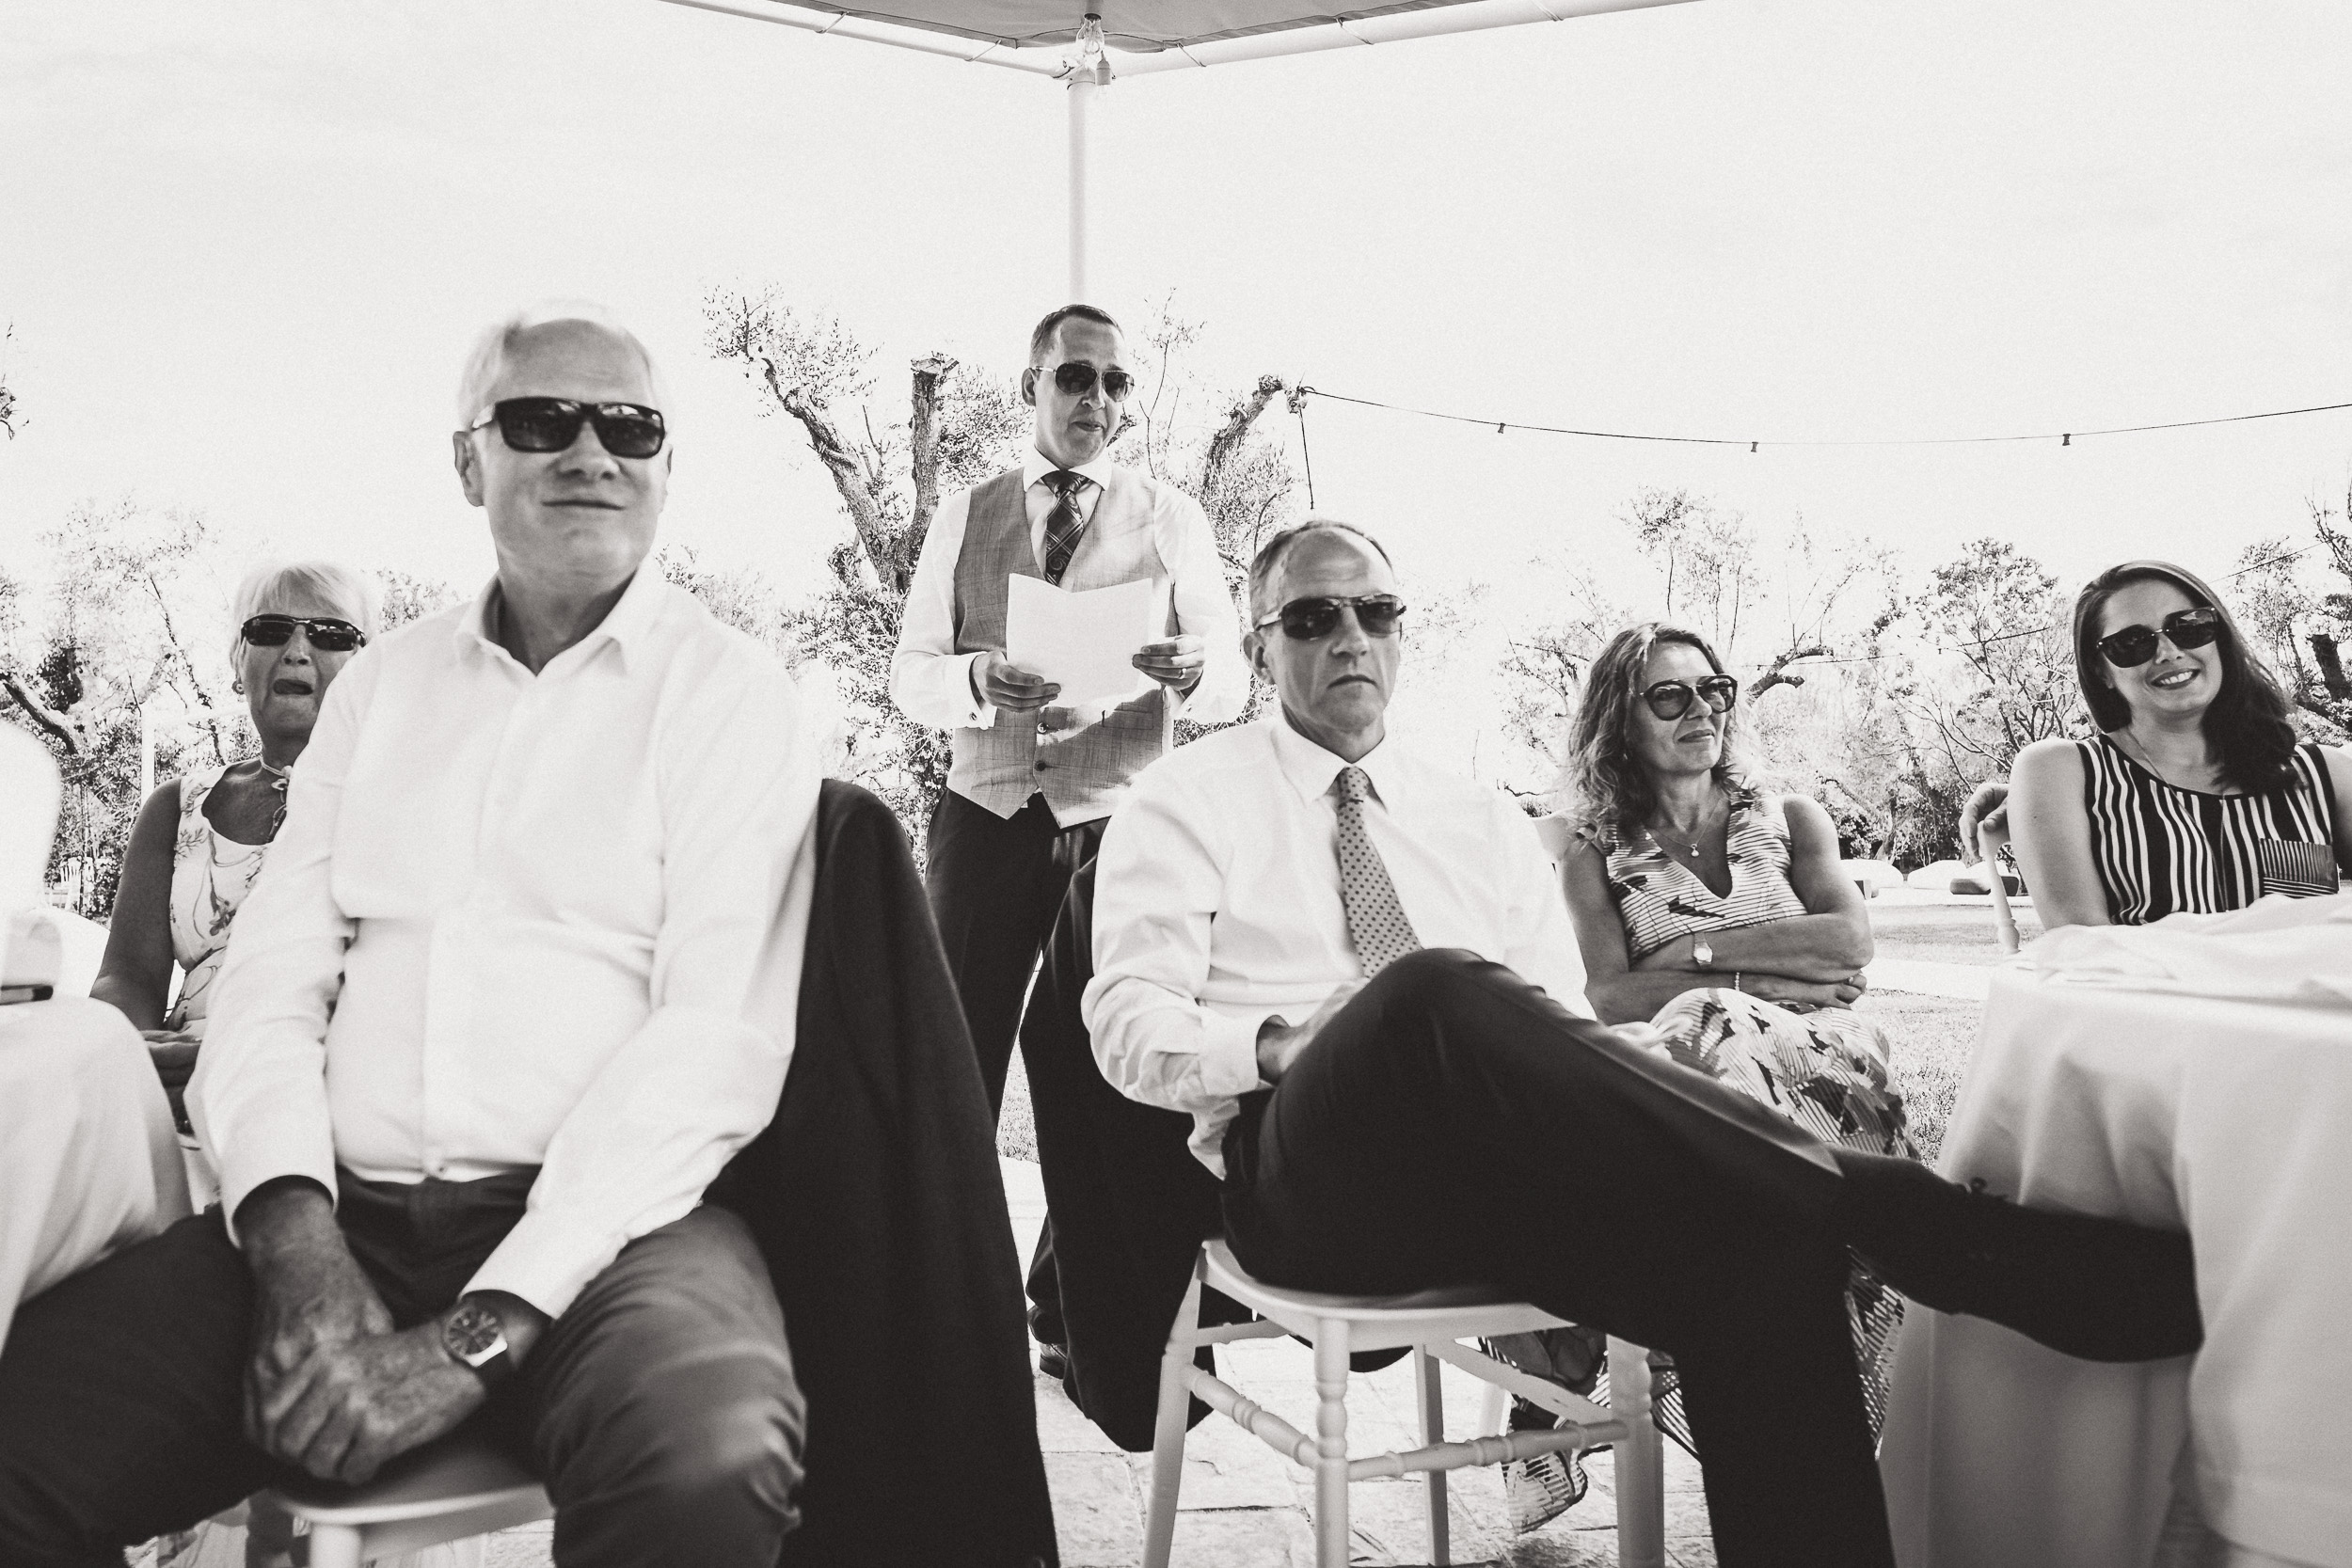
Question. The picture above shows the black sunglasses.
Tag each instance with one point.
(552, 424)
(1307, 619)
(1673, 699)
(327, 635)
(1076, 380)
(2186, 628)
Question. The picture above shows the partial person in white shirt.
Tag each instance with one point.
(1031, 780)
(512, 990)
(1358, 978)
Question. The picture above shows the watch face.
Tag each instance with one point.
(474, 1330)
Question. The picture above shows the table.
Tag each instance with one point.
(88, 1160)
(2230, 1116)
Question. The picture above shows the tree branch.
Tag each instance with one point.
(1228, 438)
(930, 376)
(848, 479)
(63, 726)
(1776, 672)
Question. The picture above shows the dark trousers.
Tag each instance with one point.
(660, 1409)
(1452, 1124)
(995, 885)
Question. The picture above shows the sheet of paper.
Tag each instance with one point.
(1082, 641)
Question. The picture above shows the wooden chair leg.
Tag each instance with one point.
(1433, 1434)
(1493, 1411)
(334, 1547)
(1640, 1461)
(1168, 1432)
(1331, 1532)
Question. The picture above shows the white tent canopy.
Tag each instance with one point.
(1089, 44)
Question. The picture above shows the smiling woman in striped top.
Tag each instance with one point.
(2196, 796)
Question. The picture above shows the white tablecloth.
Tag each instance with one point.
(2232, 1116)
(88, 1162)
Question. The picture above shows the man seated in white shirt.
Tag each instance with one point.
(1355, 971)
(513, 988)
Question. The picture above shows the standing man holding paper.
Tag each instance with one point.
(1031, 783)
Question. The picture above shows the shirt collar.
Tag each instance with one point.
(1035, 465)
(624, 624)
(1310, 770)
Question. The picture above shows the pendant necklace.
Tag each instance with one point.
(277, 783)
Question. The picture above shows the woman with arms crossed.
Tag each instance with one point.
(2196, 796)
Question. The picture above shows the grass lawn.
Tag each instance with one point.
(1946, 933)
(1932, 1038)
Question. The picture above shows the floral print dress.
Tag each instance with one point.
(1825, 1070)
(211, 875)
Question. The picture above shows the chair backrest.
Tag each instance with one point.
(1994, 838)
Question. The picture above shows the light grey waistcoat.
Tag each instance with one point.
(1001, 766)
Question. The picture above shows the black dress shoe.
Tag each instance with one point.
(2101, 1290)
(1053, 1362)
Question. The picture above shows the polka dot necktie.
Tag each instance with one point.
(1375, 917)
(1063, 526)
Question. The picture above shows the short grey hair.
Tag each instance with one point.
(487, 361)
(1269, 558)
(351, 592)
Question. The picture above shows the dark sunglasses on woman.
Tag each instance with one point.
(552, 424)
(1309, 619)
(2186, 629)
(326, 634)
(1673, 699)
(1076, 380)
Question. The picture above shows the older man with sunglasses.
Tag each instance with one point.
(1355, 971)
(509, 994)
(1031, 780)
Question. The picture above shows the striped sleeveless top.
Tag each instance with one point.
(2162, 849)
(1660, 898)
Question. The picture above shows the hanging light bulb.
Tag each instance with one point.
(1092, 62)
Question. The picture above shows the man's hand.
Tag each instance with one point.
(1987, 808)
(1642, 1037)
(353, 1406)
(1279, 1044)
(1000, 683)
(309, 1294)
(1176, 662)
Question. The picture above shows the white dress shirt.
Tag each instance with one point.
(931, 683)
(1216, 905)
(515, 920)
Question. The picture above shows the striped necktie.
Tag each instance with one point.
(1063, 526)
(1375, 917)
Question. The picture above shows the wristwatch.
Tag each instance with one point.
(474, 1338)
(1702, 952)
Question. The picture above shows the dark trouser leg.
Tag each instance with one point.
(995, 886)
(1647, 1202)
(122, 1401)
(669, 1425)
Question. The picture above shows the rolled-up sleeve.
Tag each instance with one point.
(1157, 886)
(1205, 608)
(700, 1076)
(258, 1100)
(931, 682)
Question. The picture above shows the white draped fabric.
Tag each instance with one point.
(88, 1161)
(2194, 1072)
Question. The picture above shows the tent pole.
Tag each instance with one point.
(1082, 90)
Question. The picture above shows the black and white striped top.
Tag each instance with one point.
(2164, 850)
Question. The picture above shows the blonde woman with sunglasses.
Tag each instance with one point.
(201, 839)
(2195, 795)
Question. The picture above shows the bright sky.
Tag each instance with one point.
(244, 248)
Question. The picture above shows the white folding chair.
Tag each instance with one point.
(1434, 1323)
(447, 1491)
